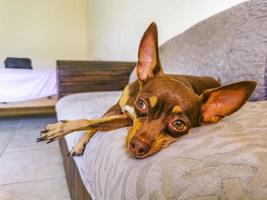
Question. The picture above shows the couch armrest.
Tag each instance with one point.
(89, 76)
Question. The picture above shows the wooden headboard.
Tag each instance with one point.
(89, 76)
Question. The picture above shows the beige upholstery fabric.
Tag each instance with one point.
(227, 160)
(231, 45)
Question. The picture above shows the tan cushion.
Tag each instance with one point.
(227, 160)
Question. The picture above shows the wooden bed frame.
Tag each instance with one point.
(87, 76)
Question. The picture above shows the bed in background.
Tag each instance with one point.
(23, 84)
(27, 91)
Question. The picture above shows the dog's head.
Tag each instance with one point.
(166, 108)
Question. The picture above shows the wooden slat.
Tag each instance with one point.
(67, 73)
(27, 111)
(89, 76)
(88, 80)
(43, 106)
(93, 86)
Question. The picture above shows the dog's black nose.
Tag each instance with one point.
(138, 147)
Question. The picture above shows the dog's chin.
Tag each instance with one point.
(137, 156)
(152, 152)
(131, 154)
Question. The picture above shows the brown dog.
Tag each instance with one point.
(159, 107)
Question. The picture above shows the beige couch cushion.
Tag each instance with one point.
(227, 160)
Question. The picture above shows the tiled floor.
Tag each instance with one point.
(29, 170)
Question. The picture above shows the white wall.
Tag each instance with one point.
(92, 29)
(115, 26)
(44, 30)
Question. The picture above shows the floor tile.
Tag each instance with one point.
(32, 121)
(27, 141)
(30, 170)
(5, 137)
(25, 137)
(21, 166)
(9, 122)
(48, 189)
(7, 132)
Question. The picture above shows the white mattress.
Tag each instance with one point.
(212, 162)
(24, 84)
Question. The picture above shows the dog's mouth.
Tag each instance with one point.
(136, 153)
(142, 155)
(154, 148)
(136, 156)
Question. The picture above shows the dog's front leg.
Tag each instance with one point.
(62, 128)
(78, 148)
(104, 124)
(109, 123)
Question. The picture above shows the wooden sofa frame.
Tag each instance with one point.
(87, 76)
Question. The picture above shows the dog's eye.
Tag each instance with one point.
(141, 104)
(177, 125)
(177, 128)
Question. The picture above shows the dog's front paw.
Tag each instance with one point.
(78, 149)
(54, 131)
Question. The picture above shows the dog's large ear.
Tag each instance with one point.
(148, 55)
(220, 102)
